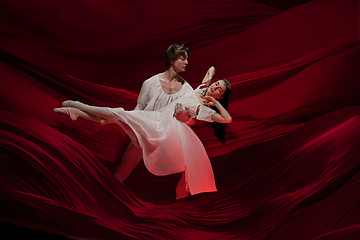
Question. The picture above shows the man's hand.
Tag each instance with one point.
(180, 113)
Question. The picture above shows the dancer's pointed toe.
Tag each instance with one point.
(58, 110)
(71, 112)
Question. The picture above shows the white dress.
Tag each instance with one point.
(170, 146)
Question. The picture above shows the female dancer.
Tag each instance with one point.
(168, 145)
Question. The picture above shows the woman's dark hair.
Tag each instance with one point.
(174, 51)
(219, 128)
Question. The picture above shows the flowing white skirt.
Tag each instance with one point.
(169, 146)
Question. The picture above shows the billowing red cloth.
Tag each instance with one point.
(290, 166)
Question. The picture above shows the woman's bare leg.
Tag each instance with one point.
(131, 158)
(98, 111)
(181, 189)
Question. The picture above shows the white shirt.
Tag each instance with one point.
(152, 97)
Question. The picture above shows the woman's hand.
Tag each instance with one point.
(223, 116)
(210, 101)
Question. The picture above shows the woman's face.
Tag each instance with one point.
(180, 64)
(217, 89)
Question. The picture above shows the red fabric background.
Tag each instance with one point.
(289, 169)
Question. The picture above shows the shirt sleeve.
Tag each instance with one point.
(205, 113)
(144, 95)
(187, 88)
(201, 89)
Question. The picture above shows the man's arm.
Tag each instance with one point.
(191, 121)
(143, 98)
(183, 115)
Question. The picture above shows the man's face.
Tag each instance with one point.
(181, 63)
